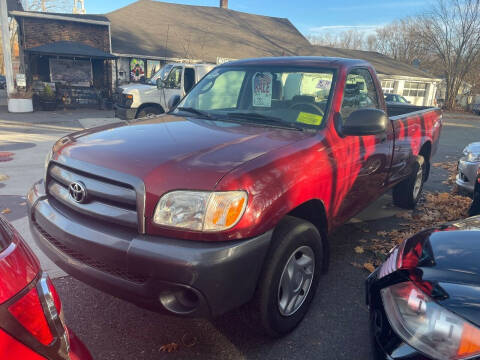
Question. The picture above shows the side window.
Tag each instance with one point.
(174, 79)
(359, 92)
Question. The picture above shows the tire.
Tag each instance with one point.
(148, 111)
(407, 193)
(292, 239)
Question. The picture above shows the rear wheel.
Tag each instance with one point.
(407, 193)
(290, 276)
(148, 111)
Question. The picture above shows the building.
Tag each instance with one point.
(144, 35)
(417, 86)
(165, 32)
(69, 53)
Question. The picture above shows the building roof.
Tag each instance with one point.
(70, 48)
(86, 18)
(383, 64)
(159, 29)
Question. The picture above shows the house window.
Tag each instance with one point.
(388, 86)
(414, 89)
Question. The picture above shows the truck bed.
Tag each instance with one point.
(396, 110)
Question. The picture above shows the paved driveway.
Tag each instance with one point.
(335, 328)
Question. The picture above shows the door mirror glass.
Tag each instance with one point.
(160, 84)
(364, 122)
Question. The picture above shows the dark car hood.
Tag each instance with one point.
(172, 152)
(455, 268)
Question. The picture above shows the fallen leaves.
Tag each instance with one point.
(369, 266)
(434, 209)
(4, 177)
(451, 167)
(172, 347)
(6, 211)
(359, 250)
(437, 208)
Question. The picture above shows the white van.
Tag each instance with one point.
(134, 100)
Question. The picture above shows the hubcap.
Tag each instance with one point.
(296, 280)
(418, 182)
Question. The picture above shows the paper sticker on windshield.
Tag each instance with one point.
(262, 89)
(324, 84)
(309, 119)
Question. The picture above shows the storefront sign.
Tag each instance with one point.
(21, 80)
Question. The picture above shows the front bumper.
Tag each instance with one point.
(183, 277)
(386, 344)
(125, 113)
(467, 174)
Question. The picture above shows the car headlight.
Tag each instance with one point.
(200, 210)
(472, 157)
(428, 327)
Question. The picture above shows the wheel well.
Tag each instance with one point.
(314, 212)
(143, 106)
(426, 151)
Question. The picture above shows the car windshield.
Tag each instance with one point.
(285, 96)
(161, 74)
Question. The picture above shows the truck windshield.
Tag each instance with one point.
(161, 74)
(265, 95)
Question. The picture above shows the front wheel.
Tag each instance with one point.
(148, 111)
(407, 193)
(290, 276)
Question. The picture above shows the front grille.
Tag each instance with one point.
(105, 199)
(96, 264)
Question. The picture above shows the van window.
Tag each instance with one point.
(174, 79)
(189, 79)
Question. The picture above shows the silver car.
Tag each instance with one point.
(468, 167)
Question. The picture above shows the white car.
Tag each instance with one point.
(468, 167)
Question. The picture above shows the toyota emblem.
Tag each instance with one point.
(77, 191)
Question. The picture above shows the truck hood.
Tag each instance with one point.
(451, 264)
(139, 87)
(172, 152)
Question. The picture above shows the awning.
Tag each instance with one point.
(71, 49)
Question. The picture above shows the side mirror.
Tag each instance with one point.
(174, 100)
(365, 122)
(160, 83)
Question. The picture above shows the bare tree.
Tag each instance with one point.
(48, 5)
(451, 31)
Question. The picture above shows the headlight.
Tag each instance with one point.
(200, 210)
(472, 157)
(427, 326)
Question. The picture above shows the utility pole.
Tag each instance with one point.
(7, 53)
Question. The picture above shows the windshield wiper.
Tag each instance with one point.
(196, 112)
(264, 120)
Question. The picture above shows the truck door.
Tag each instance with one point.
(363, 162)
(172, 86)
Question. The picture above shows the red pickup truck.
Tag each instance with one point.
(229, 198)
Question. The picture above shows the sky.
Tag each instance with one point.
(309, 16)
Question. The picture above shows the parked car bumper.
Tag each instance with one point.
(386, 344)
(467, 174)
(125, 113)
(188, 278)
